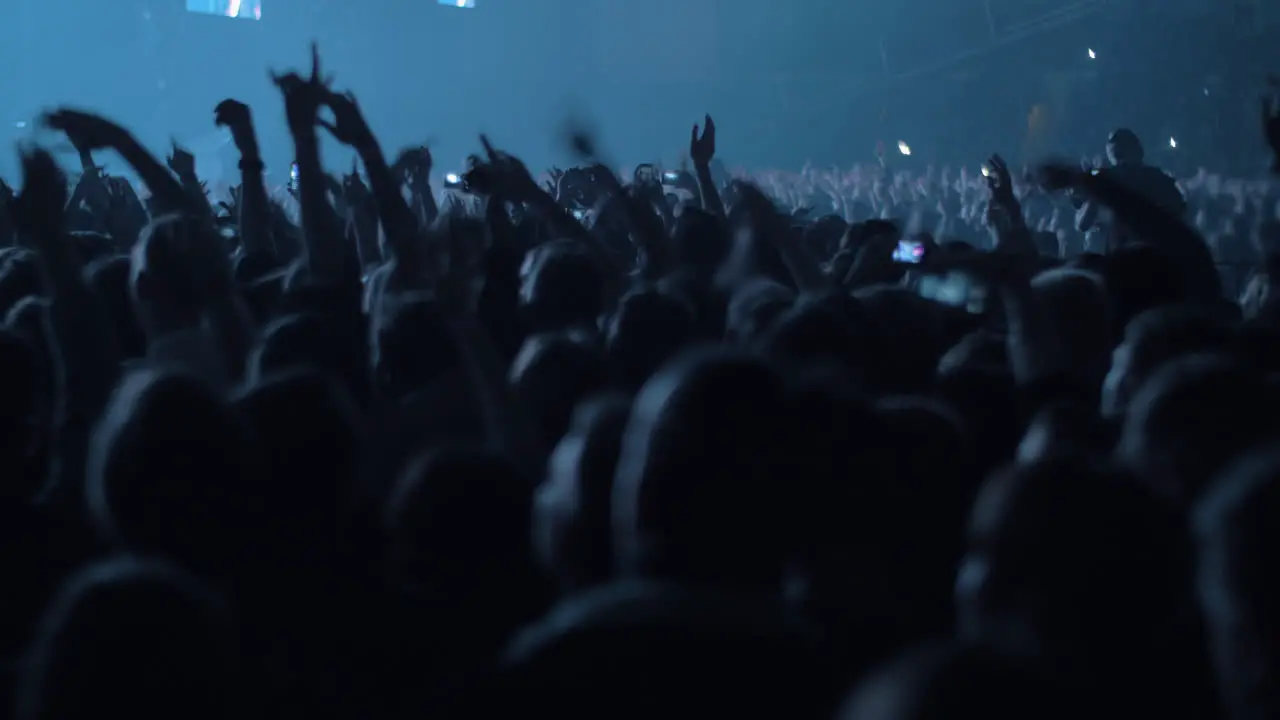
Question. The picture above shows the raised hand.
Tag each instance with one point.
(86, 131)
(702, 147)
(502, 175)
(303, 97)
(1271, 122)
(349, 125)
(232, 115)
(38, 212)
(413, 164)
(182, 162)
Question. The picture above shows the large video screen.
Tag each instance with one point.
(459, 3)
(246, 9)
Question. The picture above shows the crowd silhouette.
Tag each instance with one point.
(853, 443)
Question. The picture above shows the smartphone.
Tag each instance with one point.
(908, 251)
(453, 181)
(645, 174)
(670, 177)
(293, 176)
(579, 215)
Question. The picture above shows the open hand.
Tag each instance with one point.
(86, 131)
(349, 125)
(413, 165)
(702, 148)
(501, 175)
(303, 97)
(182, 162)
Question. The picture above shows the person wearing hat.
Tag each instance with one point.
(1128, 167)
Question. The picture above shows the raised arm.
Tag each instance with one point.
(253, 203)
(84, 348)
(323, 236)
(350, 128)
(91, 132)
(702, 148)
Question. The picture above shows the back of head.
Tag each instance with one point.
(167, 473)
(1076, 304)
(1124, 147)
(816, 334)
(413, 347)
(573, 506)
(1080, 567)
(304, 428)
(109, 278)
(946, 681)
(310, 342)
(550, 375)
(1154, 338)
(130, 639)
(701, 240)
(1141, 277)
(1192, 417)
(754, 307)
(458, 525)
(647, 329)
(23, 416)
(562, 288)
(1237, 539)
(698, 491)
(160, 280)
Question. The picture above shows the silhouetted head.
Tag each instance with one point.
(303, 427)
(308, 342)
(1124, 147)
(645, 331)
(1238, 542)
(458, 525)
(955, 682)
(561, 287)
(1152, 339)
(699, 494)
(1191, 418)
(167, 473)
(1076, 567)
(572, 508)
(164, 289)
(132, 639)
(550, 375)
(109, 278)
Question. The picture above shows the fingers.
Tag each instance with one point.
(488, 148)
(315, 61)
(709, 125)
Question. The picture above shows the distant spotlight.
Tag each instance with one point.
(1092, 55)
(986, 171)
(20, 124)
(904, 148)
(1173, 143)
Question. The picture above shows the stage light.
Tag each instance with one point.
(1173, 143)
(904, 148)
(1092, 55)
